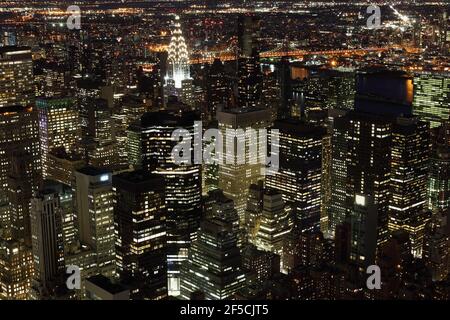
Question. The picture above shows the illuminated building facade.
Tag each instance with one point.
(150, 148)
(214, 263)
(431, 97)
(58, 126)
(235, 178)
(178, 59)
(95, 213)
(299, 176)
(409, 168)
(16, 77)
(439, 174)
(141, 241)
(47, 242)
(276, 222)
(361, 155)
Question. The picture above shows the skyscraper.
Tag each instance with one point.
(235, 177)
(431, 97)
(299, 176)
(150, 147)
(409, 168)
(16, 77)
(95, 213)
(214, 265)
(275, 223)
(58, 126)
(48, 243)
(361, 155)
(178, 58)
(141, 243)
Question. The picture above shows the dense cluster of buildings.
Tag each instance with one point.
(89, 182)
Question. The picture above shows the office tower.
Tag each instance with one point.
(216, 89)
(248, 28)
(19, 136)
(271, 95)
(436, 253)
(62, 166)
(236, 177)
(187, 92)
(99, 287)
(438, 193)
(16, 270)
(342, 243)
(16, 77)
(253, 210)
(99, 146)
(409, 169)
(214, 263)
(94, 204)
(326, 181)
(210, 172)
(141, 240)
(262, 265)
(361, 156)
(284, 80)
(431, 97)
(299, 176)
(20, 191)
(85, 258)
(217, 205)
(58, 127)
(306, 249)
(275, 223)
(150, 147)
(178, 59)
(250, 81)
(48, 243)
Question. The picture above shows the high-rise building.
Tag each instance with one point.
(409, 169)
(250, 81)
(299, 176)
(18, 134)
(99, 145)
(262, 265)
(214, 265)
(361, 168)
(236, 177)
(431, 97)
(216, 89)
(16, 77)
(95, 213)
(275, 223)
(58, 127)
(16, 270)
(47, 242)
(141, 241)
(62, 166)
(178, 59)
(150, 147)
(438, 192)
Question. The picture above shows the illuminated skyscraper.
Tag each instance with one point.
(431, 97)
(150, 148)
(178, 59)
(361, 154)
(439, 173)
(48, 243)
(275, 223)
(214, 265)
(409, 168)
(58, 127)
(141, 243)
(95, 206)
(299, 176)
(235, 177)
(16, 77)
